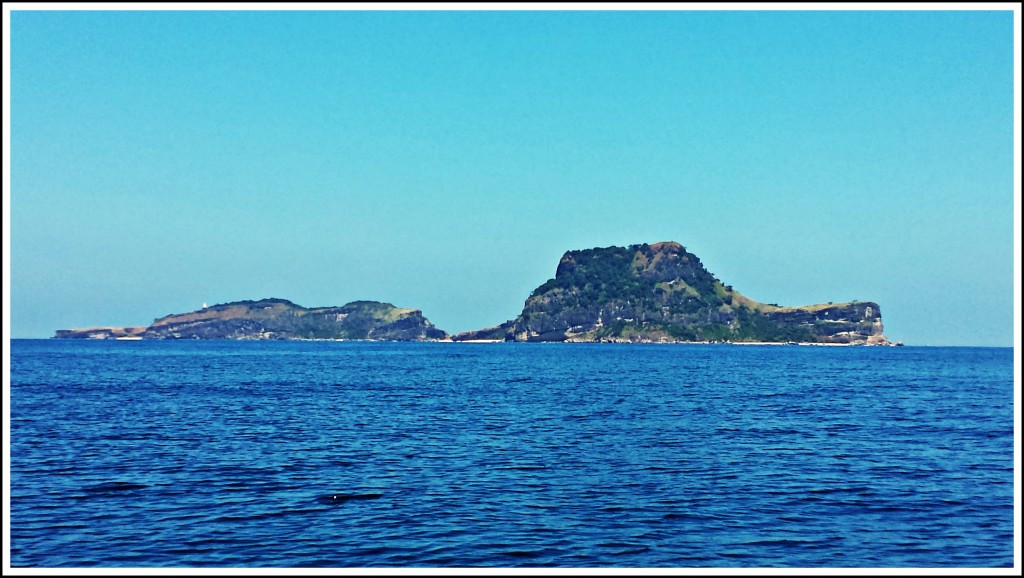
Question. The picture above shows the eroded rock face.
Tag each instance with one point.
(661, 292)
(282, 319)
(859, 322)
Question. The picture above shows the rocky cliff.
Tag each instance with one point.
(660, 292)
(280, 319)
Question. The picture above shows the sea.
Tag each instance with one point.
(324, 454)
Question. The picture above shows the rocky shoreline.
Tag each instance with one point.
(645, 342)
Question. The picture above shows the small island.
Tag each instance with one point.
(278, 319)
(662, 293)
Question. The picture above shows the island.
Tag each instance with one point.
(278, 319)
(647, 293)
(662, 293)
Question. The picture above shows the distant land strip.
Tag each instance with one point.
(646, 293)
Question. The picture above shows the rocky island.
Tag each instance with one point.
(278, 319)
(662, 293)
(637, 294)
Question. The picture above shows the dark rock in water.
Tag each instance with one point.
(114, 487)
(342, 498)
(281, 319)
(662, 293)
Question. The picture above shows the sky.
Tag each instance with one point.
(445, 160)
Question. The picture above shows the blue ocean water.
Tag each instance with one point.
(362, 454)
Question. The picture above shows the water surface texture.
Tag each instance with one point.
(360, 454)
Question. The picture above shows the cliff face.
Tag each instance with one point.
(282, 319)
(661, 292)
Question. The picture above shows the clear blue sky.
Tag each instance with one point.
(445, 160)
